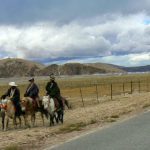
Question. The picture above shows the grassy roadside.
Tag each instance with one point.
(78, 121)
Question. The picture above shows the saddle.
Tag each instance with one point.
(56, 103)
(35, 103)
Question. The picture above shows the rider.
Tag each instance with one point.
(32, 91)
(53, 90)
(14, 94)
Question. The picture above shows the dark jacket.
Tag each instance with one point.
(16, 96)
(52, 89)
(32, 91)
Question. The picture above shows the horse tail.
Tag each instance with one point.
(66, 102)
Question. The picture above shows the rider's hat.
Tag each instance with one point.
(12, 84)
(52, 77)
(31, 79)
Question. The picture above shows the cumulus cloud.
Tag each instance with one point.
(119, 39)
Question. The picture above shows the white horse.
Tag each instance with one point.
(54, 112)
(49, 105)
(8, 112)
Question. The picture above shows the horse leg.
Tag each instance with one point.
(3, 120)
(51, 119)
(6, 123)
(61, 114)
(56, 117)
(42, 116)
(3, 123)
(19, 121)
(33, 119)
(14, 122)
(26, 121)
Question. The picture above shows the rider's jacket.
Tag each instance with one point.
(52, 89)
(32, 91)
(14, 94)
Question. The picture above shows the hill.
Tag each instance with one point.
(80, 69)
(109, 68)
(11, 67)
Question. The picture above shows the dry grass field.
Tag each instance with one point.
(99, 109)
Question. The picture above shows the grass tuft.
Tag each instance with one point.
(72, 127)
(13, 147)
(115, 116)
(146, 106)
(93, 121)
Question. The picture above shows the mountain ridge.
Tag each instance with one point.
(13, 67)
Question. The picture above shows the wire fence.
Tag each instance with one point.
(95, 93)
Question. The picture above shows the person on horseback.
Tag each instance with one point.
(14, 94)
(32, 91)
(53, 90)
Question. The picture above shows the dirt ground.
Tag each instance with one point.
(77, 121)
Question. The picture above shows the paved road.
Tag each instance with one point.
(133, 134)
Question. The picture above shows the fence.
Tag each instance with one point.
(95, 93)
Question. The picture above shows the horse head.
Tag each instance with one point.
(3, 104)
(25, 103)
(45, 101)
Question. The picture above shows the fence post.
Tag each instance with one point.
(81, 97)
(123, 89)
(111, 88)
(131, 87)
(139, 86)
(97, 93)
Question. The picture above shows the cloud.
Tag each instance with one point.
(112, 38)
(64, 11)
(141, 57)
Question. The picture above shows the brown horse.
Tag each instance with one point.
(29, 107)
(8, 112)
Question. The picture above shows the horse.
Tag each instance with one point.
(29, 107)
(8, 111)
(54, 111)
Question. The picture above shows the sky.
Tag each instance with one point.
(84, 31)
